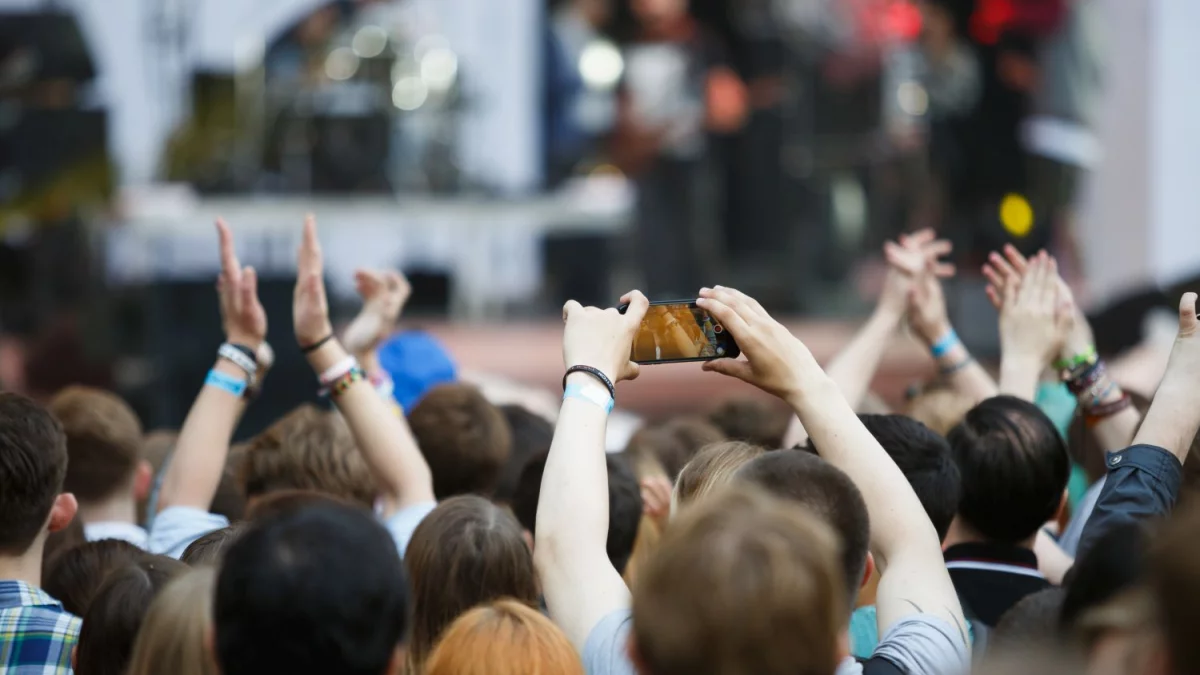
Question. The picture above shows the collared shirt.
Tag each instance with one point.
(991, 578)
(36, 633)
(1143, 482)
(117, 530)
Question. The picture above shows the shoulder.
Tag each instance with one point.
(606, 651)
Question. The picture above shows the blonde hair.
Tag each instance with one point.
(172, 636)
(503, 638)
(939, 408)
(711, 468)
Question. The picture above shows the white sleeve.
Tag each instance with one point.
(404, 522)
(923, 644)
(175, 528)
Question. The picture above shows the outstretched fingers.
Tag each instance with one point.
(1189, 323)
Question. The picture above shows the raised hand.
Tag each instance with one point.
(1035, 319)
(603, 338)
(242, 315)
(910, 262)
(384, 294)
(1012, 265)
(1174, 416)
(310, 306)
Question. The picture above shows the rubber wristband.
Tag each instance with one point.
(594, 372)
(316, 345)
(337, 370)
(941, 347)
(1085, 358)
(591, 394)
(226, 383)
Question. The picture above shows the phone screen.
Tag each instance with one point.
(681, 331)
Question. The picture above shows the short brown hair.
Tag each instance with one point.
(33, 464)
(670, 445)
(466, 552)
(753, 421)
(104, 441)
(465, 440)
(77, 573)
(503, 638)
(712, 467)
(308, 450)
(1175, 582)
(209, 550)
(788, 584)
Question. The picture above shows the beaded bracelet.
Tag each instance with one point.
(1099, 413)
(1085, 358)
(1079, 382)
(341, 384)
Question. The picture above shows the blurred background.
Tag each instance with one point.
(510, 154)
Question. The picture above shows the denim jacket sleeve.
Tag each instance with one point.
(1143, 483)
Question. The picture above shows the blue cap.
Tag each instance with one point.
(417, 363)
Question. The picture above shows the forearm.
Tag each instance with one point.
(854, 367)
(964, 374)
(383, 438)
(1019, 376)
(195, 469)
(1172, 421)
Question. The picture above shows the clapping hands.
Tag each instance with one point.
(242, 315)
(310, 306)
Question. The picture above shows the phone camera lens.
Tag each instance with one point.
(718, 328)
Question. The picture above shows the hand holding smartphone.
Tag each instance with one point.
(677, 331)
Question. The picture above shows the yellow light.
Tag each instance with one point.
(1016, 215)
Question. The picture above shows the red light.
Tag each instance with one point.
(990, 19)
(903, 20)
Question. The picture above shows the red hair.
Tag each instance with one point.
(503, 638)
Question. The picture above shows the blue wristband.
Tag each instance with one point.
(941, 347)
(594, 395)
(225, 382)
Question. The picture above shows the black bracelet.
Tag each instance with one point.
(250, 353)
(594, 372)
(316, 345)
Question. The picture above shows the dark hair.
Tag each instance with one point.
(1032, 622)
(284, 501)
(78, 572)
(210, 549)
(1114, 563)
(104, 442)
(670, 445)
(466, 552)
(924, 458)
(753, 421)
(624, 505)
(1174, 580)
(531, 437)
(115, 614)
(33, 464)
(1014, 468)
(464, 438)
(319, 590)
(60, 542)
(826, 491)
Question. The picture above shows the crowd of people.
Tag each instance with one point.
(454, 536)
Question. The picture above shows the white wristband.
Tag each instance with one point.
(590, 393)
(337, 370)
(239, 359)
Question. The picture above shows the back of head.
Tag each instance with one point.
(713, 467)
(741, 584)
(104, 442)
(1031, 623)
(33, 465)
(307, 450)
(1014, 467)
(116, 614)
(466, 552)
(624, 505)
(924, 458)
(752, 421)
(465, 440)
(209, 550)
(1175, 583)
(826, 491)
(172, 639)
(284, 501)
(1113, 565)
(531, 437)
(667, 447)
(503, 638)
(319, 590)
(78, 572)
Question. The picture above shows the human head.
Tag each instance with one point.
(116, 613)
(924, 458)
(78, 573)
(270, 616)
(503, 638)
(1032, 622)
(752, 421)
(667, 447)
(689, 619)
(209, 550)
(1014, 468)
(1174, 581)
(531, 436)
(624, 505)
(307, 450)
(657, 12)
(465, 440)
(939, 407)
(466, 552)
(104, 442)
(174, 634)
(33, 465)
(711, 468)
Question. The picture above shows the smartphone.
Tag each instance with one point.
(677, 331)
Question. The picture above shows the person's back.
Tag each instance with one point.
(36, 633)
(318, 590)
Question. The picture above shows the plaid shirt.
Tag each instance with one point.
(36, 633)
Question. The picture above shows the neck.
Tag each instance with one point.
(962, 533)
(26, 567)
(119, 509)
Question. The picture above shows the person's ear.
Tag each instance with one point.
(635, 656)
(528, 537)
(868, 571)
(63, 511)
(843, 644)
(210, 642)
(143, 477)
(399, 660)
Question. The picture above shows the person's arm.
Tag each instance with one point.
(384, 294)
(907, 551)
(580, 584)
(930, 323)
(195, 470)
(383, 438)
(1033, 327)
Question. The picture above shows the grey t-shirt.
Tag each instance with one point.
(921, 644)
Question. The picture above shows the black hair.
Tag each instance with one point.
(825, 490)
(531, 436)
(33, 465)
(1113, 563)
(924, 458)
(316, 590)
(624, 504)
(1032, 622)
(1013, 465)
